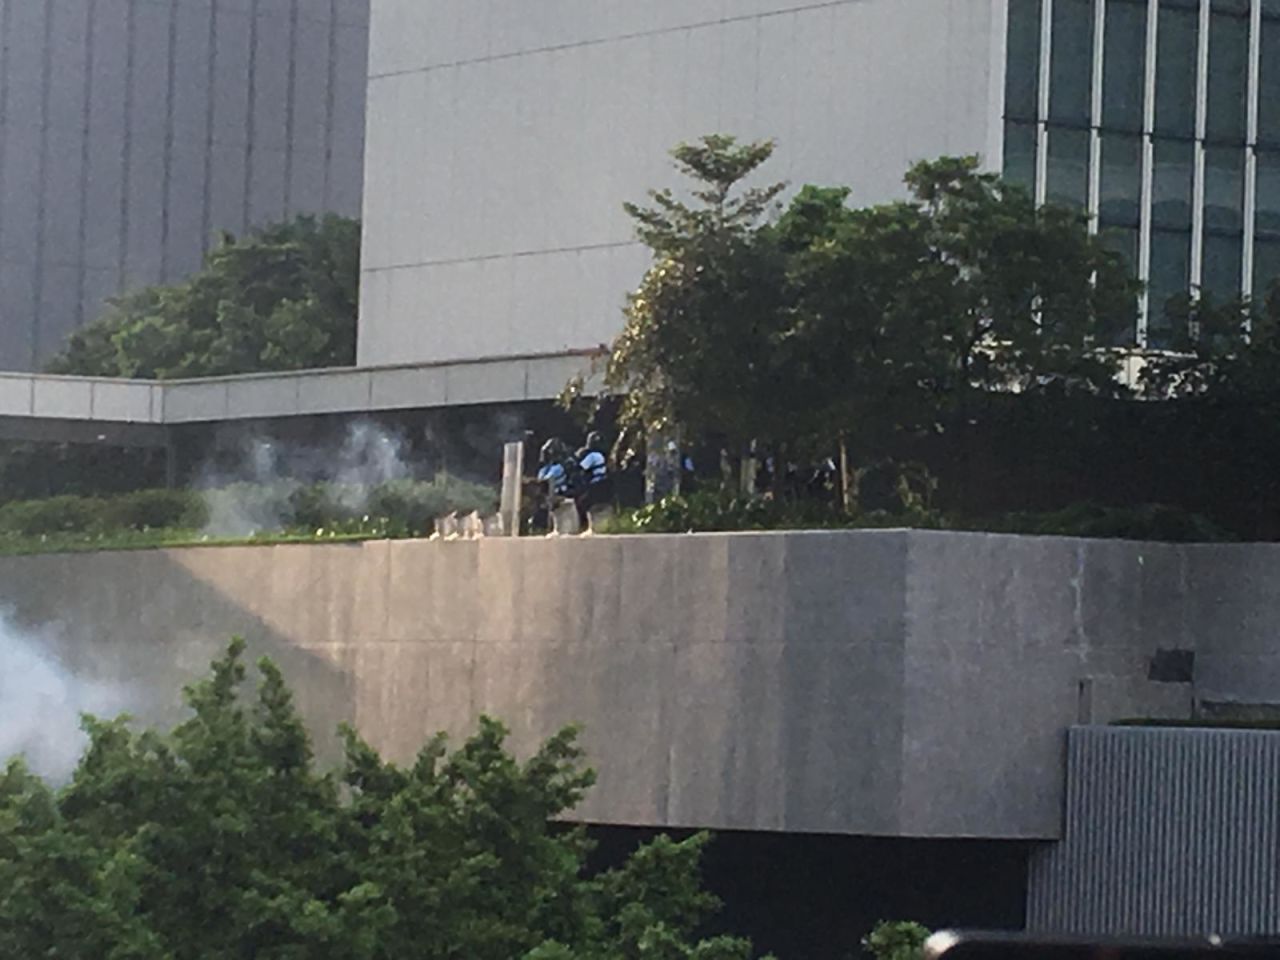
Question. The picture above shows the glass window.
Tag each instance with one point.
(1266, 267)
(1022, 77)
(1020, 154)
(1171, 186)
(1121, 180)
(1176, 56)
(1071, 62)
(1268, 200)
(1220, 272)
(1170, 278)
(1228, 77)
(1224, 188)
(1269, 84)
(1124, 241)
(1124, 60)
(1068, 167)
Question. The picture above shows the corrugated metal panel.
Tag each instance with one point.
(1167, 832)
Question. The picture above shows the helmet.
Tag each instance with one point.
(594, 440)
(553, 449)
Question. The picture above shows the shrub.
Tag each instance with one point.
(896, 940)
(716, 510)
(1153, 522)
(155, 510)
(415, 504)
(37, 518)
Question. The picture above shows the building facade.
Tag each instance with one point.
(1161, 120)
(133, 131)
(504, 137)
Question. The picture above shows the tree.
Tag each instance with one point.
(221, 839)
(830, 321)
(699, 345)
(280, 298)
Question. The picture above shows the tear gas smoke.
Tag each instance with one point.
(41, 703)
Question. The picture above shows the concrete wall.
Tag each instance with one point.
(878, 683)
(504, 137)
(131, 131)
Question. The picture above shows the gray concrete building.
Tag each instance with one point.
(504, 137)
(133, 131)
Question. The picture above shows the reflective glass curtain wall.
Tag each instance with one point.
(1161, 120)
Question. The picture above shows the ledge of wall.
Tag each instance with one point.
(862, 682)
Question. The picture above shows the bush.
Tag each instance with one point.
(1153, 522)
(156, 510)
(718, 510)
(415, 504)
(896, 940)
(38, 518)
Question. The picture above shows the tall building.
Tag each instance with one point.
(504, 137)
(1161, 119)
(133, 131)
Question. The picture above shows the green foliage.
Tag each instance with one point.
(832, 323)
(714, 510)
(142, 510)
(708, 511)
(221, 839)
(896, 940)
(155, 510)
(35, 518)
(1153, 522)
(280, 298)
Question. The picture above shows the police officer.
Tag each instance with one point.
(596, 484)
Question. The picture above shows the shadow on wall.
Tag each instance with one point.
(140, 626)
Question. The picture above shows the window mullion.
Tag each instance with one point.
(1202, 120)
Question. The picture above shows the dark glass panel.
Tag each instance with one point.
(1071, 62)
(1121, 186)
(1266, 267)
(1020, 154)
(1124, 60)
(1224, 188)
(1221, 269)
(1228, 77)
(1068, 167)
(1171, 186)
(1269, 84)
(1170, 277)
(1176, 55)
(1022, 77)
(1268, 199)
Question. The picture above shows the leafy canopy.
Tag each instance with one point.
(281, 298)
(797, 329)
(220, 840)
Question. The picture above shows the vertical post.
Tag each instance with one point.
(512, 487)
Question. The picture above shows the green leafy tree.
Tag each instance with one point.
(896, 940)
(698, 349)
(831, 321)
(280, 298)
(221, 839)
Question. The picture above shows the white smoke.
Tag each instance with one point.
(252, 496)
(41, 704)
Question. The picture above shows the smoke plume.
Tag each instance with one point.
(252, 495)
(41, 703)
